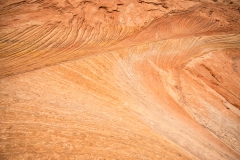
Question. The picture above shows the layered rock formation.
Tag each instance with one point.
(122, 79)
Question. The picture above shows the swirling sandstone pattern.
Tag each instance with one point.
(122, 79)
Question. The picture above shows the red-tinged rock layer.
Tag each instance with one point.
(121, 79)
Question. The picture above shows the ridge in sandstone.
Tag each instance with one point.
(126, 79)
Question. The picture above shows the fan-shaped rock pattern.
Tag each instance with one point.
(127, 79)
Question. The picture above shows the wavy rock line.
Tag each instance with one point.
(45, 42)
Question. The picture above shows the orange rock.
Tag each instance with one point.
(122, 79)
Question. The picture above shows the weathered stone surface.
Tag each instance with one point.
(127, 79)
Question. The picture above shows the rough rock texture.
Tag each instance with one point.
(121, 79)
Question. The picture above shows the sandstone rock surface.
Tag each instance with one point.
(121, 79)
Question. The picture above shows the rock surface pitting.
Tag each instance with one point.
(121, 79)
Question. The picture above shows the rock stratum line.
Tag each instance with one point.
(121, 79)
